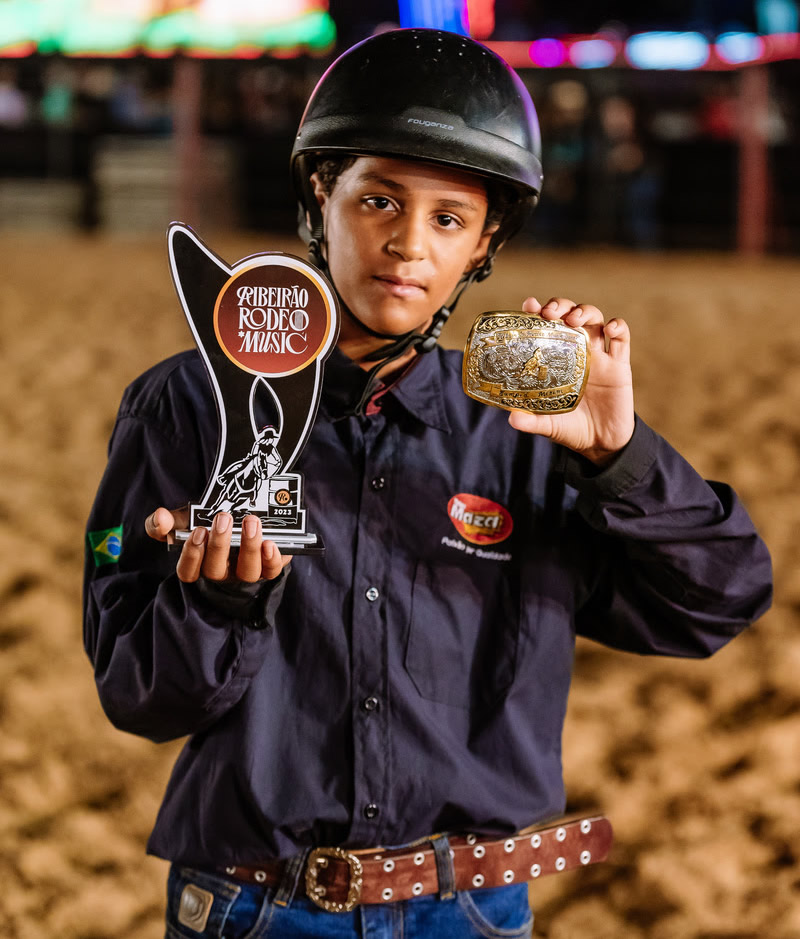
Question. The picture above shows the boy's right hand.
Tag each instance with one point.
(207, 553)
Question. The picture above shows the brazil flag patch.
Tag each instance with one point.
(106, 545)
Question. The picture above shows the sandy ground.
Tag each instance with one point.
(695, 762)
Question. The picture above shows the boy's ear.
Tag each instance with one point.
(319, 191)
(482, 248)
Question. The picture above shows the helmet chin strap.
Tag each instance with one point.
(400, 344)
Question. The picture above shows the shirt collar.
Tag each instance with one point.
(418, 389)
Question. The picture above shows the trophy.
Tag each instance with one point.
(521, 361)
(264, 328)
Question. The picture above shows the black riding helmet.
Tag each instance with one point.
(428, 95)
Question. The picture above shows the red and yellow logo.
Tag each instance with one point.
(479, 520)
(273, 317)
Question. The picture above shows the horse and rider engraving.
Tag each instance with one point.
(241, 481)
(524, 364)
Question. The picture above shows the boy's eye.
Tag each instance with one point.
(379, 202)
(447, 221)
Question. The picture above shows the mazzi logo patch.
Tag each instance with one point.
(479, 520)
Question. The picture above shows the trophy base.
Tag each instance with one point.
(287, 543)
(299, 545)
(283, 525)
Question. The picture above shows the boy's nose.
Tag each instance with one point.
(408, 238)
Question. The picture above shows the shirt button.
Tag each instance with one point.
(372, 594)
(378, 483)
(371, 810)
(370, 703)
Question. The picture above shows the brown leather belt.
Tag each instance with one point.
(338, 880)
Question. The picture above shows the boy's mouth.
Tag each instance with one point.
(400, 286)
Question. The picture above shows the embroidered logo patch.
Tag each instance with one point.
(479, 520)
(106, 545)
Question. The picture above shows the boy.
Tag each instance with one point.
(407, 690)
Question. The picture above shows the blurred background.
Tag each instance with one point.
(673, 124)
(671, 145)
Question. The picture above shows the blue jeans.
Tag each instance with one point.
(215, 906)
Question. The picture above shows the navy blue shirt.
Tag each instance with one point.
(415, 678)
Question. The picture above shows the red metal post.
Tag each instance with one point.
(187, 90)
(754, 176)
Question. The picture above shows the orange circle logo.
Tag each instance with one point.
(273, 318)
(283, 496)
(479, 520)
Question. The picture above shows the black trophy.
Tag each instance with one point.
(264, 328)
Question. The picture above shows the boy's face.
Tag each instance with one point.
(399, 236)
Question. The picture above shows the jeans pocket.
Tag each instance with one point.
(498, 912)
(200, 903)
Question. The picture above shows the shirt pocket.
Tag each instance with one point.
(463, 632)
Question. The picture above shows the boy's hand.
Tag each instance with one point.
(603, 421)
(208, 553)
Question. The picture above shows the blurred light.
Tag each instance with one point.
(696, 53)
(592, 53)
(777, 16)
(213, 28)
(480, 18)
(435, 14)
(20, 24)
(547, 53)
(98, 36)
(738, 48)
(661, 50)
(183, 29)
(17, 51)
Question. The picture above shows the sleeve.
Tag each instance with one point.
(674, 565)
(169, 658)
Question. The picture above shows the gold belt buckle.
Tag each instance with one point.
(315, 891)
(522, 361)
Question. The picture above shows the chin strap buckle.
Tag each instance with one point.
(431, 337)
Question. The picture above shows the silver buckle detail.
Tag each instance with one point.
(316, 892)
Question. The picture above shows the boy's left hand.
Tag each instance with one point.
(602, 423)
(208, 553)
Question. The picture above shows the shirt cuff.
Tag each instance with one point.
(624, 472)
(254, 604)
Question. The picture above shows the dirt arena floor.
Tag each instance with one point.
(695, 762)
